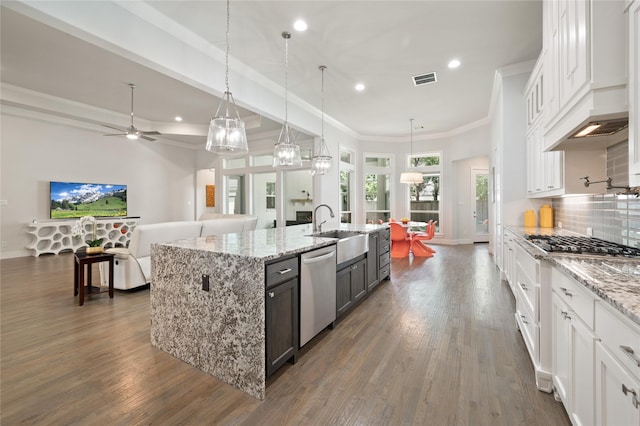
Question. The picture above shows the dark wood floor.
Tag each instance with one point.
(434, 345)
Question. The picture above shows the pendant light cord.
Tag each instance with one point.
(411, 153)
(322, 100)
(286, 76)
(226, 73)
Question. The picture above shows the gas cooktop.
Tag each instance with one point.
(581, 245)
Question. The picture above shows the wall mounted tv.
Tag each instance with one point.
(72, 200)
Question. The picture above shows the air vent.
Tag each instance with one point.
(602, 128)
(419, 80)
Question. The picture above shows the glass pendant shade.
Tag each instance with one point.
(286, 153)
(227, 135)
(411, 177)
(321, 160)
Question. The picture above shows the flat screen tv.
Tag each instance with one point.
(72, 200)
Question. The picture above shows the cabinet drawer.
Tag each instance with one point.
(281, 271)
(384, 259)
(528, 267)
(528, 293)
(530, 332)
(620, 335)
(384, 246)
(575, 295)
(384, 272)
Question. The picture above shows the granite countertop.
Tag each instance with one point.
(267, 244)
(615, 279)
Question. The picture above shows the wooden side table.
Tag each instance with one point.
(81, 258)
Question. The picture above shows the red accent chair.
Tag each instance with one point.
(418, 247)
(400, 240)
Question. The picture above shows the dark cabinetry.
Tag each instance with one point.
(281, 313)
(351, 285)
(384, 258)
(373, 260)
(378, 258)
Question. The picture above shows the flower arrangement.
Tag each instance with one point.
(79, 229)
(404, 220)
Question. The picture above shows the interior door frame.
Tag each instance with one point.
(475, 236)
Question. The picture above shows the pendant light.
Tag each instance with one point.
(286, 153)
(321, 161)
(411, 178)
(227, 135)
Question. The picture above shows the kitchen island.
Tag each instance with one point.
(208, 298)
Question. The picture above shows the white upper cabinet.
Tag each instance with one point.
(553, 173)
(634, 93)
(585, 75)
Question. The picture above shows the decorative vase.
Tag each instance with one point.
(94, 250)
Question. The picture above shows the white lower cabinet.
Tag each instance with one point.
(616, 391)
(572, 362)
(595, 356)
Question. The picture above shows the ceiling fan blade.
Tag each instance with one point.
(151, 132)
(115, 128)
(115, 134)
(147, 138)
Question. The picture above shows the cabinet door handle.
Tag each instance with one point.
(271, 294)
(634, 395)
(524, 319)
(629, 351)
(524, 286)
(284, 271)
(566, 292)
(354, 267)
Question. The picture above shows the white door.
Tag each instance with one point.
(480, 205)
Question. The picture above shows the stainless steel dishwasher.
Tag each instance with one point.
(317, 291)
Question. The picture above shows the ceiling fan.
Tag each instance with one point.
(131, 132)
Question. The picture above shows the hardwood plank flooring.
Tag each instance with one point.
(435, 345)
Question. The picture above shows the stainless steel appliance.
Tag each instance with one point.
(581, 245)
(317, 291)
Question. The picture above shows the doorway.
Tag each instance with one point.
(480, 205)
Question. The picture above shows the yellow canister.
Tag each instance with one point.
(529, 219)
(546, 216)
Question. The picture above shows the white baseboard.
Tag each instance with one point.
(14, 253)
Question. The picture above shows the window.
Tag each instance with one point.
(377, 186)
(424, 198)
(234, 163)
(346, 185)
(270, 195)
(345, 197)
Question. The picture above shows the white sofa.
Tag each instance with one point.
(132, 265)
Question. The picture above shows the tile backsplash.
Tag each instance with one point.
(612, 217)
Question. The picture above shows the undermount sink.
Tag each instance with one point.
(350, 244)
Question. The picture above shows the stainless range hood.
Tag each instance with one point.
(595, 134)
(601, 128)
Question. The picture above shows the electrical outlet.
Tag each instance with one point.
(560, 225)
(590, 232)
(205, 282)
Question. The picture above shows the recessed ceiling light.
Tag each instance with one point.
(178, 118)
(454, 63)
(359, 87)
(300, 25)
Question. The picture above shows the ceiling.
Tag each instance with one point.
(381, 44)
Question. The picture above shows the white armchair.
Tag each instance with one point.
(132, 266)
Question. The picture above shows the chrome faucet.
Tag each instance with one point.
(316, 227)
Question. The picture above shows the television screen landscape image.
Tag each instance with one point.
(73, 200)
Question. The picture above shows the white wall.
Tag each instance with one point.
(205, 177)
(160, 178)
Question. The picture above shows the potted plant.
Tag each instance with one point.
(79, 229)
